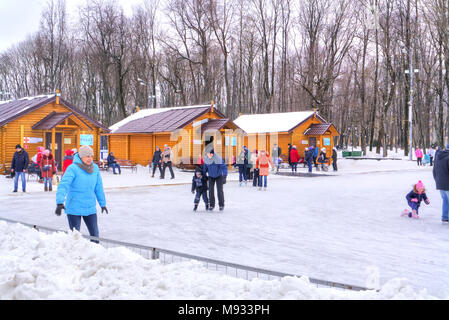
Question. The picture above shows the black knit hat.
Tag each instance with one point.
(18, 146)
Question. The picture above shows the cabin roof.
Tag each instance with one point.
(273, 122)
(161, 119)
(14, 109)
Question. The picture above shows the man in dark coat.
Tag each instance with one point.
(309, 158)
(441, 177)
(334, 159)
(216, 169)
(289, 158)
(19, 165)
(112, 163)
(157, 161)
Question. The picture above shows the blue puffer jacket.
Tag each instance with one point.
(215, 167)
(82, 190)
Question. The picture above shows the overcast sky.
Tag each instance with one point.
(19, 18)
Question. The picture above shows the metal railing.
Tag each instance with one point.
(169, 256)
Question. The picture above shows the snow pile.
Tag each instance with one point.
(35, 265)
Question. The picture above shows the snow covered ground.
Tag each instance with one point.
(339, 227)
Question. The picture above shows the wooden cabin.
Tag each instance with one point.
(302, 129)
(188, 131)
(45, 121)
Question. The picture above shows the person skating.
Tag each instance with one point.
(431, 153)
(19, 165)
(294, 158)
(419, 156)
(441, 176)
(334, 159)
(309, 158)
(34, 165)
(414, 199)
(80, 189)
(289, 152)
(216, 170)
(275, 155)
(48, 169)
(157, 161)
(199, 188)
(242, 164)
(166, 160)
(315, 155)
(263, 163)
(254, 170)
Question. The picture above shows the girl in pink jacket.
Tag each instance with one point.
(419, 154)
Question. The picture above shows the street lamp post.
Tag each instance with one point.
(411, 73)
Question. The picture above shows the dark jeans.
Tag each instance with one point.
(16, 180)
(431, 161)
(310, 165)
(314, 161)
(294, 166)
(220, 194)
(157, 165)
(90, 221)
(334, 165)
(419, 160)
(167, 164)
(201, 192)
(264, 181)
(255, 177)
(113, 166)
(242, 173)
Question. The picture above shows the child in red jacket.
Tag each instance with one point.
(68, 160)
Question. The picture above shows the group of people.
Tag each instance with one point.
(43, 164)
(256, 166)
(424, 158)
(313, 156)
(212, 172)
(162, 160)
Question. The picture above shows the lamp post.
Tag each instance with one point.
(411, 73)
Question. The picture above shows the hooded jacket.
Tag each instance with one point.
(81, 190)
(49, 162)
(215, 167)
(441, 170)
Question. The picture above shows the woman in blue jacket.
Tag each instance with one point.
(80, 188)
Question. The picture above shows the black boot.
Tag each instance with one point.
(50, 188)
(45, 188)
(195, 207)
(207, 206)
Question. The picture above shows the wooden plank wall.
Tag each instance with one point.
(13, 133)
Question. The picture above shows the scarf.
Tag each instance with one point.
(85, 167)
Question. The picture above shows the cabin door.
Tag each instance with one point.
(312, 141)
(58, 147)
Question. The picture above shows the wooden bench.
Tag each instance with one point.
(127, 164)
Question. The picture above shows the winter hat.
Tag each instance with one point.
(419, 185)
(85, 151)
(310, 148)
(18, 146)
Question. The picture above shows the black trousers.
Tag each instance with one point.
(334, 165)
(201, 192)
(419, 160)
(431, 161)
(255, 177)
(219, 182)
(155, 165)
(167, 164)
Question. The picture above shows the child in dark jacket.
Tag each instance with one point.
(414, 199)
(199, 185)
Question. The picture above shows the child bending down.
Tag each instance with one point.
(199, 184)
(415, 197)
